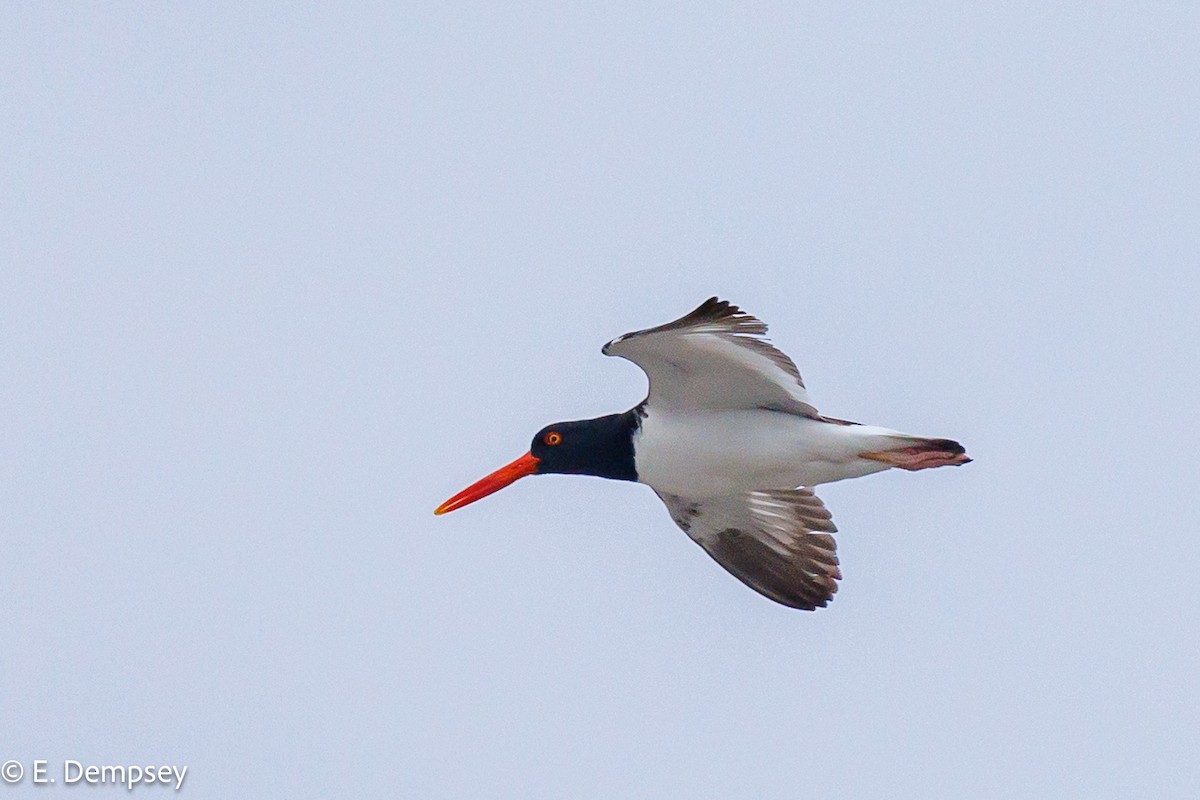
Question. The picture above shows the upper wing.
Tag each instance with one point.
(716, 357)
(769, 540)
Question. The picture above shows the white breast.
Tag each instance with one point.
(703, 454)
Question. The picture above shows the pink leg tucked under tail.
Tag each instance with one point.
(926, 453)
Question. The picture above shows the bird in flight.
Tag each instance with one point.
(730, 441)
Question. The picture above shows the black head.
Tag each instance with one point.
(601, 446)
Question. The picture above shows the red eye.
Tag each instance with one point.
(552, 438)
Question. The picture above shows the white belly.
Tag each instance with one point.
(727, 452)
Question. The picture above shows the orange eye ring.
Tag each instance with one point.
(552, 438)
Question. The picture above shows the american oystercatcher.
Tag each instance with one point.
(730, 441)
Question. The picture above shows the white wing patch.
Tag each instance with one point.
(715, 358)
(776, 542)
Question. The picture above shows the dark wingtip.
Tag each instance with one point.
(715, 307)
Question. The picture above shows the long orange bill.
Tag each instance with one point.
(525, 465)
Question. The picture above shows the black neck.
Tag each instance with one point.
(614, 454)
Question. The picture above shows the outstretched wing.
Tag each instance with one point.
(716, 357)
(776, 542)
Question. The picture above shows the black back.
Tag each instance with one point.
(601, 447)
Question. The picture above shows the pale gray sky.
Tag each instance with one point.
(276, 283)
